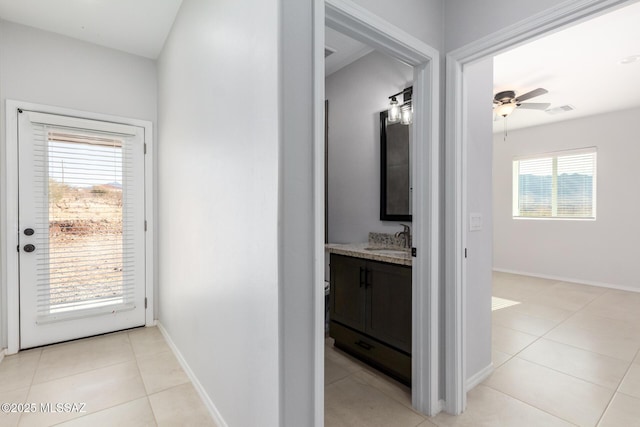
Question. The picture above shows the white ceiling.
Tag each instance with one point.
(579, 66)
(139, 27)
(347, 50)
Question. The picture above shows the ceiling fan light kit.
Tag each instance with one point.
(505, 109)
(506, 102)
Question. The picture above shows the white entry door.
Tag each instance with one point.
(81, 225)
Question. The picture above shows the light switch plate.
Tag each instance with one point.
(475, 221)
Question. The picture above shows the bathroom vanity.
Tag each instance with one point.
(370, 306)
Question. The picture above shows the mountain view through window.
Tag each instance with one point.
(560, 185)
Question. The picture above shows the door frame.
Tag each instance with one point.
(9, 199)
(360, 24)
(554, 19)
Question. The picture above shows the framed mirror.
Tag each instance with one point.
(395, 170)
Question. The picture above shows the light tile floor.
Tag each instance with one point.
(128, 378)
(564, 354)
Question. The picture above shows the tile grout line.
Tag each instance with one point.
(146, 396)
(135, 357)
(389, 395)
(84, 372)
(572, 376)
(615, 391)
(352, 376)
(529, 404)
(618, 388)
(569, 345)
(90, 370)
(31, 383)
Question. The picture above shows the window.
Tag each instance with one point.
(555, 185)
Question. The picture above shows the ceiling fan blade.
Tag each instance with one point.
(532, 94)
(535, 105)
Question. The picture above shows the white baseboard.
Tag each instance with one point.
(196, 384)
(479, 376)
(569, 279)
(3, 351)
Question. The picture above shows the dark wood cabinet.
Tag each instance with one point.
(388, 304)
(347, 291)
(370, 312)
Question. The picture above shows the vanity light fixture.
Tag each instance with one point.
(402, 113)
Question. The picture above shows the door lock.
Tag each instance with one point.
(29, 248)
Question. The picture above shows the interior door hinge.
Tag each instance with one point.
(145, 148)
(145, 302)
(145, 225)
(465, 252)
(414, 252)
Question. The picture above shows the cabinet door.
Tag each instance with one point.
(389, 304)
(347, 291)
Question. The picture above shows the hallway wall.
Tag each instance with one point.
(218, 160)
(479, 201)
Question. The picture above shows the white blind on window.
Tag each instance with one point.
(558, 185)
(576, 179)
(535, 187)
(85, 224)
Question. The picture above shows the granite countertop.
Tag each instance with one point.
(371, 251)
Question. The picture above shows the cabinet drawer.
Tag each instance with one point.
(389, 360)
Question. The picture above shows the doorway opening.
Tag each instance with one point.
(460, 141)
(369, 29)
(561, 241)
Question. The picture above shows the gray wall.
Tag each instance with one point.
(600, 252)
(46, 68)
(422, 19)
(357, 93)
(468, 20)
(300, 348)
(479, 200)
(218, 207)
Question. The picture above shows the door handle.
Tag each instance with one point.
(28, 231)
(362, 279)
(364, 345)
(29, 248)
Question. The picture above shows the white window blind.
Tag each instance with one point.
(85, 262)
(555, 185)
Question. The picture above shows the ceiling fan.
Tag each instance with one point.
(506, 101)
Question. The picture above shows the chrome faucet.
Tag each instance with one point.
(406, 232)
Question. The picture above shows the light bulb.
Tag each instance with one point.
(394, 111)
(406, 115)
(505, 109)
